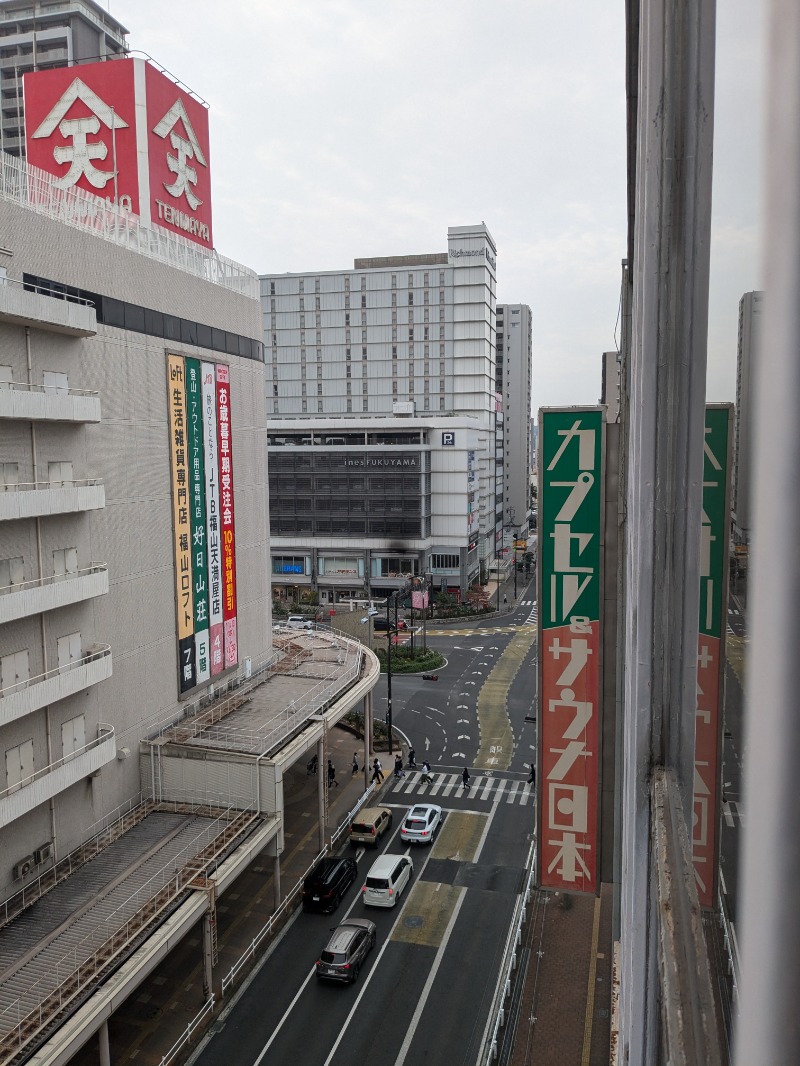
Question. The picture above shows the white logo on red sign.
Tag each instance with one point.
(82, 152)
(187, 149)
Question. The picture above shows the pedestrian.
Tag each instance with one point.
(311, 765)
(412, 759)
(465, 778)
(355, 763)
(505, 603)
(377, 771)
(332, 775)
(532, 775)
(398, 766)
(426, 776)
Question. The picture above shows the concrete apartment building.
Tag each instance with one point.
(513, 383)
(40, 35)
(382, 382)
(751, 309)
(148, 709)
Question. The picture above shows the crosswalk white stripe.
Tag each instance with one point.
(490, 782)
(525, 796)
(512, 792)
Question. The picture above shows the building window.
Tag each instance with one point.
(441, 384)
(347, 319)
(349, 388)
(348, 372)
(441, 314)
(363, 353)
(319, 370)
(445, 562)
(316, 284)
(441, 333)
(441, 293)
(276, 407)
(347, 302)
(319, 407)
(349, 406)
(363, 300)
(411, 298)
(441, 403)
(347, 285)
(425, 278)
(365, 404)
(275, 390)
(365, 387)
(363, 336)
(272, 288)
(410, 281)
(394, 299)
(319, 389)
(441, 369)
(394, 281)
(426, 297)
(319, 354)
(363, 282)
(394, 351)
(302, 321)
(425, 333)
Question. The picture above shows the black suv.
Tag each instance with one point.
(327, 883)
(346, 950)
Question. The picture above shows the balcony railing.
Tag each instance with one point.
(47, 593)
(29, 695)
(22, 401)
(21, 304)
(20, 798)
(37, 498)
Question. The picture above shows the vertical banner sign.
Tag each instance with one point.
(570, 553)
(181, 522)
(227, 527)
(197, 503)
(714, 535)
(210, 456)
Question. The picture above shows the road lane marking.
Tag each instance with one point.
(423, 999)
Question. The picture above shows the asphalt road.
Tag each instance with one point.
(425, 991)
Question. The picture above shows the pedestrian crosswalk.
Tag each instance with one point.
(733, 813)
(482, 786)
(533, 616)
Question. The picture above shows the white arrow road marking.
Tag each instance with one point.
(459, 755)
(427, 743)
(464, 721)
(464, 736)
(470, 682)
(462, 707)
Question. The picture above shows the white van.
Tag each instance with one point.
(387, 878)
(299, 621)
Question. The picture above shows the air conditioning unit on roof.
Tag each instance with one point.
(23, 868)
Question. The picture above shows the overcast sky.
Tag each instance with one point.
(349, 128)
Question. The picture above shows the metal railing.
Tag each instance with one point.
(99, 651)
(42, 290)
(289, 901)
(729, 937)
(105, 733)
(186, 1037)
(52, 579)
(86, 959)
(488, 1052)
(34, 188)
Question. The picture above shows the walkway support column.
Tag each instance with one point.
(105, 1050)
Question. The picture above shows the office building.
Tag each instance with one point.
(390, 362)
(40, 35)
(513, 383)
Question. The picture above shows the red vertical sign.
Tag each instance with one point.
(227, 525)
(570, 542)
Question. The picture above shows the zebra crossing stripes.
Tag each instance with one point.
(732, 812)
(484, 787)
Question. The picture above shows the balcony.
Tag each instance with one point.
(39, 403)
(58, 776)
(48, 593)
(21, 306)
(27, 696)
(40, 498)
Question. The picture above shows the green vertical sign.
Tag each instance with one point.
(714, 527)
(197, 515)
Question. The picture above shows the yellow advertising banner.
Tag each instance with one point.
(180, 496)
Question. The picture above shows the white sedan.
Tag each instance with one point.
(421, 823)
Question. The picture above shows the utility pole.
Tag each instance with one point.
(389, 683)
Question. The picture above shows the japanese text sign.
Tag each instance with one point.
(570, 576)
(714, 534)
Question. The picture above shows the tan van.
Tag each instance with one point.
(369, 825)
(386, 880)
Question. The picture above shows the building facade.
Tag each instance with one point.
(400, 348)
(513, 382)
(40, 35)
(91, 580)
(751, 308)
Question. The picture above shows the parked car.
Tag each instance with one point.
(346, 950)
(369, 825)
(380, 624)
(421, 823)
(327, 883)
(299, 621)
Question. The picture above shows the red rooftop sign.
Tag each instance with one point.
(124, 131)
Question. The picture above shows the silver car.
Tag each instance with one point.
(421, 823)
(346, 950)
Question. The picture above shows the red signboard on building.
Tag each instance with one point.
(80, 125)
(123, 130)
(570, 602)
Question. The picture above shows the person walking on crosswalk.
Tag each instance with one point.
(465, 778)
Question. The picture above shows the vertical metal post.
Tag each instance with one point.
(389, 685)
(102, 1039)
(673, 124)
(208, 973)
(276, 880)
(322, 773)
(768, 1028)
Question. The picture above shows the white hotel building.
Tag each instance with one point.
(383, 421)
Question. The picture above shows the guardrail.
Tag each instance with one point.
(195, 1023)
(729, 937)
(100, 651)
(488, 1052)
(288, 903)
(53, 579)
